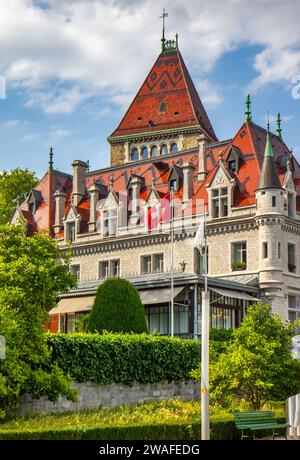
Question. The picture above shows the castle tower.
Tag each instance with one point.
(269, 219)
(165, 116)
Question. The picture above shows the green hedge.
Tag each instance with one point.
(124, 358)
(220, 430)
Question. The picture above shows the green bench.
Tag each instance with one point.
(258, 420)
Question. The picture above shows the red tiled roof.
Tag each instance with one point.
(168, 81)
(248, 141)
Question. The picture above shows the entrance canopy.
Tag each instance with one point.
(233, 294)
(73, 305)
(156, 296)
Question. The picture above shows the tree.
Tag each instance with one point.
(257, 362)
(14, 188)
(30, 280)
(117, 308)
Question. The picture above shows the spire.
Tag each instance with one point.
(51, 158)
(269, 178)
(279, 130)
(163, 40)
(268, 147)
(248, 115)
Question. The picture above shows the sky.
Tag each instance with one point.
(70, 68)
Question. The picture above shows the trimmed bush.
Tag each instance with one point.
(117, 308)
(124, 358)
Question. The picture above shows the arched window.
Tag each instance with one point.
(164, 149)
(174, 147)
(154, 151)
(134, 154)
(144, 153)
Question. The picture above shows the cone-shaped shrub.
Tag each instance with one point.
(117, 308)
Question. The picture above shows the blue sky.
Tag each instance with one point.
(72, 67)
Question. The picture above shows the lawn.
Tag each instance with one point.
(156, 420)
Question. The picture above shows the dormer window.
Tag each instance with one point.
(219, 198)
(110, 222)
(71, 231)
(232, 166)
(162, 107)
(34, 200)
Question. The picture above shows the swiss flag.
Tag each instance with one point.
(160, 212)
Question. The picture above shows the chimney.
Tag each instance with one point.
(202, 161)
(79, 179)
(60, 203)
(188, 181)
(136, 185)
(94, 192)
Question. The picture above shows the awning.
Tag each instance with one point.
(73, 305)
(155, 296)
(233, 294)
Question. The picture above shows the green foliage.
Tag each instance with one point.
(30, 279)
(257, 362)
(174, 420)
(117, 308)
(124, 358)
(14, 188)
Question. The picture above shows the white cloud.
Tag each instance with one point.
(104, 48)
(13, 124)
(30, 137)
(58, 134)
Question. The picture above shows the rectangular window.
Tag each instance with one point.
(273, 201)
(239, 254)
(75, 270)
(232, 166)
(279, 251)
(219, 202)
(294, 310)
(158, 263)
(291, 258)
(62, 323)
(146, 265)
(70, 323)
(115, 268)
(103, 269)
(71, 231)
(265, 250)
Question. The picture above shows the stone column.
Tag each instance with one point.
(60, 203)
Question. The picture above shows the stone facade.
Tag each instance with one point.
(92, 396)
(117, 154)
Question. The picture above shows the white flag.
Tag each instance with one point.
(199, 240)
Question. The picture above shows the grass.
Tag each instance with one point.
(164, 413)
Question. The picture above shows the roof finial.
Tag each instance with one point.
(88, 166)
(111, 182)
(279, 130)
(269, 147)
(153, 182)
(248, 115)
(51, 158)
(163, 40)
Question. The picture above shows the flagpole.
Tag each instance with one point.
(205, 349)
(172, 265)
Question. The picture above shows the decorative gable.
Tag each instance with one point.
(112, 201)
(72, 214)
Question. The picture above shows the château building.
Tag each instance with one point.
(247, 185)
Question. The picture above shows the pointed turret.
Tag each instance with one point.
(269, 178)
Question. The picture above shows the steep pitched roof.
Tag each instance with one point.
(168, 81)
(269, 176)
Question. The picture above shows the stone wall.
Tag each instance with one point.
(117, 154)
(91, 396)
